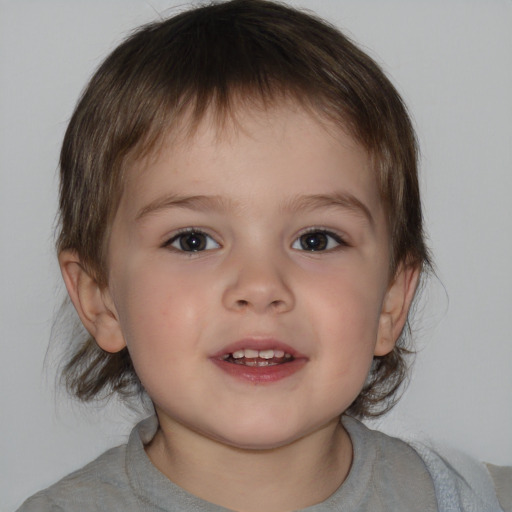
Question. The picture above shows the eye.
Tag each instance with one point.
(192, 241)
(318, 240)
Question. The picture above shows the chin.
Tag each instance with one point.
(262, 443)
(268, 436)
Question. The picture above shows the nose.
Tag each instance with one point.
(258, 284)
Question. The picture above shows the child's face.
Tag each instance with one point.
(266, 237)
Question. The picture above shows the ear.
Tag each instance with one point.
(395, 308)
(93, 303)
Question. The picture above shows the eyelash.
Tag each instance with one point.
(326, 241)
(179, 237)
(329, 235)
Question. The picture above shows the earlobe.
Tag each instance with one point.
(395, 308)
(93, 304)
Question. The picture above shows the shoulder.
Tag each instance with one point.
(448, 478)
(386, 474)
(101, 481)
(462, 481)
(502, 479)
(115, 481)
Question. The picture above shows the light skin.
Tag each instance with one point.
(266, 233)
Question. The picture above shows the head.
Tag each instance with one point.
(213, 63)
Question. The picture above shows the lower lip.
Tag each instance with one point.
(261, 374)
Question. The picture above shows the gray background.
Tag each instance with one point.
(452, 62)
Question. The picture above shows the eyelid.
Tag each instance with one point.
(334, 234)
(168, 243)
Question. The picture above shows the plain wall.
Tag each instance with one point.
(452, 62)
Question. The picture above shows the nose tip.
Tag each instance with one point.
(260, 288)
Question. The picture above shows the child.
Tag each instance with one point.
(241, 234)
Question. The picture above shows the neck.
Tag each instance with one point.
(291, 477)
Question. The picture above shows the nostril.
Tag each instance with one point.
(278, 305)
(242, 303)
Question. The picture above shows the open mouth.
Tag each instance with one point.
(259, 361)
(251, 357)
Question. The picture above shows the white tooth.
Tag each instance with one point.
(251, 363)
(225, 356)
(288, 356)
(238, 354)
(267, 354)
(278, 353)
(251, 354)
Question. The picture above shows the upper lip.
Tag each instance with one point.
(258, 344)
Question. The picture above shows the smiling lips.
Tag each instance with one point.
(265, 361)
(252, 357)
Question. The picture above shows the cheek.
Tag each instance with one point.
(348, 301)
(157, 308)
(346, 319)
(162, 326)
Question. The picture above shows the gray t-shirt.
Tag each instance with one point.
(386, 474)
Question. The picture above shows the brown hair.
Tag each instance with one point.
(214, 57)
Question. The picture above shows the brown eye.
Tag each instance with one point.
(193, 241)
(320, 240)
(313, 241)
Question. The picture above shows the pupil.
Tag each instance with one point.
(314, 241)
(193, 242)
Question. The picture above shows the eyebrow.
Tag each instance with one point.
(199, 202)
(343, 200)
(311, 202)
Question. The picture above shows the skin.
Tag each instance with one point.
(264, 181)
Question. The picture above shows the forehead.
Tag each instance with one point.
(282, 151)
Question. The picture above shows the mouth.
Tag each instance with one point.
(259, 361)
(258, 358)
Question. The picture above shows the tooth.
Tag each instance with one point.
(278, 353)
(225, 356)
(250, 354)
(238, 354)
(287, 356)
(267, 354)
